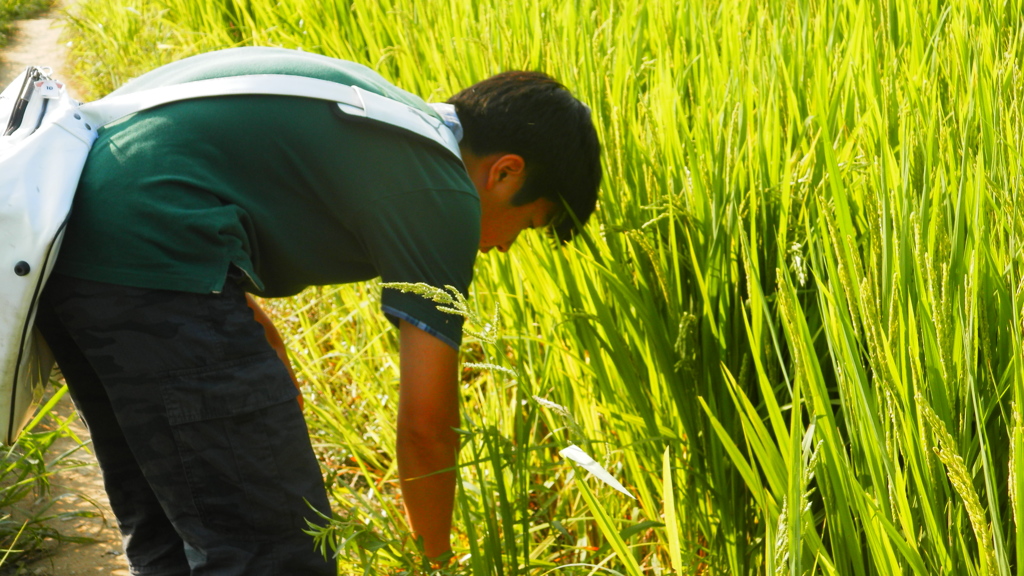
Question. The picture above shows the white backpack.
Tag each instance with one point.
(45, 137)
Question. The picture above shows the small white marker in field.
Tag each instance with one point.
(574, 453)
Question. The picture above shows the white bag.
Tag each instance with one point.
(40, 163)
(42, 153)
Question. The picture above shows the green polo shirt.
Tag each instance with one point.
(290, 190)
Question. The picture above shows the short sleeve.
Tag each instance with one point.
(429, 236)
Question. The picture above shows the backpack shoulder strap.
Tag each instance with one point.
(350, 99)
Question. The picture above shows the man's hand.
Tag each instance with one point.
(428, 412)
(274, 338)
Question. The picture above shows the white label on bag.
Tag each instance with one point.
(49, 88)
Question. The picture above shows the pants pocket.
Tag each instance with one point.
(244, 447)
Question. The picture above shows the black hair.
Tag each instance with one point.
(534, 116)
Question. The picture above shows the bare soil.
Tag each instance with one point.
(80, 490)
(37, 42)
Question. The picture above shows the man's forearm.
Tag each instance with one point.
(429, 495)
(428, 413)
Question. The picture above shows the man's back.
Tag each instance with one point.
(291, 191)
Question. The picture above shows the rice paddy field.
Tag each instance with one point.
(794, 328)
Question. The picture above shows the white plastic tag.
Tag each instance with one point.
(49, 89)
(574, 453)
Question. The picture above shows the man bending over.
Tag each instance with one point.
(184, 209)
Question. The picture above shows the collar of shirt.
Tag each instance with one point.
(449, 117)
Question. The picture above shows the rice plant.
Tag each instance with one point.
(793, 331)
(27, 521)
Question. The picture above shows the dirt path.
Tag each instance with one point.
(81, 490)
(37, 42)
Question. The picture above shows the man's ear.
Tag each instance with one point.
(507, 175)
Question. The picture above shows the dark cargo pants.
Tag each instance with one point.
(204, 451)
